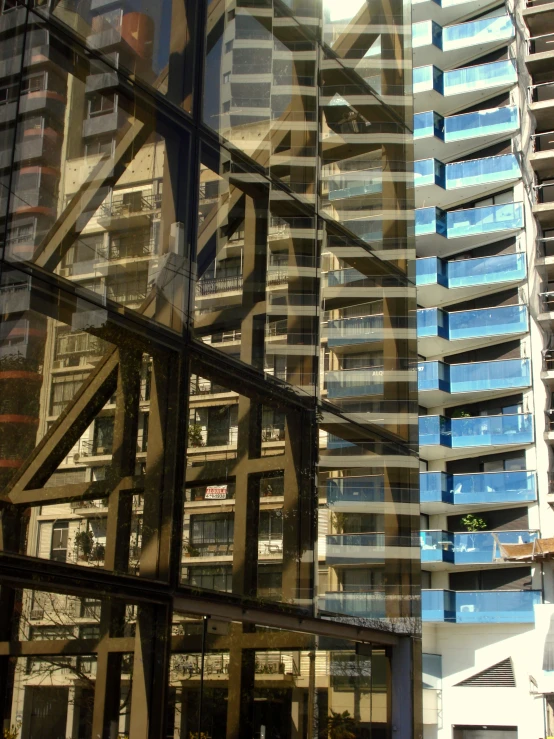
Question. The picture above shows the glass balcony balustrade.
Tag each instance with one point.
(428, 124)
(355, 548)
(359, 330)
(481, 547)
(354, 382)
(364, 605)
(471, 272)
(462, 433)
(518, 486)
(472, 324)
(466, 174)
(464, 79)
(480, 123)
(481, 31)
(461, 35)
(474, 376)
(363, 489)
(457, 224)
(479, 77)
(480, 606)
(348, 276)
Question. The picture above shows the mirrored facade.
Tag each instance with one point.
(208, 393)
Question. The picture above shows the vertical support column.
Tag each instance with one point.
(118, 528)
(107, 686)
(402, 686)
(150, 671)
(240, 698)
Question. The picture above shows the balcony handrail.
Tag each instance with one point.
(467, 474)
(479, 159)
(504, 590)
(542, 35)
(480, 533)
(474, 310)
(462, 364)
(477, 259)
(355, 369)
(468, 418)
(480, 207)
(488, 110)
(543, 133)
(472, 66)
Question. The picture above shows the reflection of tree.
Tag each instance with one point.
(341, 725)
(49, 617)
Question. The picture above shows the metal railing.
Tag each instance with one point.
(125, 206)
(214, 285)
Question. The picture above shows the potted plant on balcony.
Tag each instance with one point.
(341, 725)
(473, 524)
(194, 435)
(84, 541)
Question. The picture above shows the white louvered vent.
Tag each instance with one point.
(500, 675)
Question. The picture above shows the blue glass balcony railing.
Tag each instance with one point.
(437, 546)
(474, 376)
(428, 124)
(457, 224)
(479, 77)
(363, 489)
(359, 330)
(425, 33)
(474, 221)
(505, 319)
(471, 272)
(354, 382)
(484, 30)
(464, 79)
(480, 606)
(472, 324)
(481, 123)
(481, 547)
(463, 433)
(478, 488)
(465, 174)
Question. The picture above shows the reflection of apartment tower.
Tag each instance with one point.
(175, 471)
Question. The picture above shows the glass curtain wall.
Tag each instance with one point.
(208, 472)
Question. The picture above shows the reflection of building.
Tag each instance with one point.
(483, 442)
(166, 553)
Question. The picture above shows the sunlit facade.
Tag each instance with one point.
(208, 390)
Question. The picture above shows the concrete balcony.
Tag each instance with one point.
(354, 383)
(542, 158)
(440, 333)
(447, 385)
(355, 549)
(451, 137)
(540, 54)
(539, 18)
(476, 491)
(448, 185)
(358, 331)
(457, 280)
(448, 11)
(454, 45)
(541, 104)
(444, 233)
(448, 92)
(453, 438)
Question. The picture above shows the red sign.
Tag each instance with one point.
(216, 492)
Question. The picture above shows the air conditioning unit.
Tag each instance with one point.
(76, 457)
(37, 613)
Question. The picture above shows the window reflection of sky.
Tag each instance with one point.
(341, 10)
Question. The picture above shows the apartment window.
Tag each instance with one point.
(6, 6)
(100, 104)
(41, 633)
(211, 578)
(228, 46)
(226, 77)
(361, 580)
(64, 390)
(271, 525)
(8, 93)
(101, 146)
(270, 581)
(89, 632)
(103, 435)
(90, 608)
(24, 234)
(59, 541)
(33, 83)
(212, 529)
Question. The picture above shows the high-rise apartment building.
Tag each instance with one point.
(483, 90)
(208, 411)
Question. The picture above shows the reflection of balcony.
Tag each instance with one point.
(218, 285)
(481, 606)
(348, 491)
(366, 605)
(449, 282)
(128, 211)
(354, 382)
(438, 382)
(354, 331)
(347, 549)
(273, 433)
(445, 333)
(438, 490)
(438, 434)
